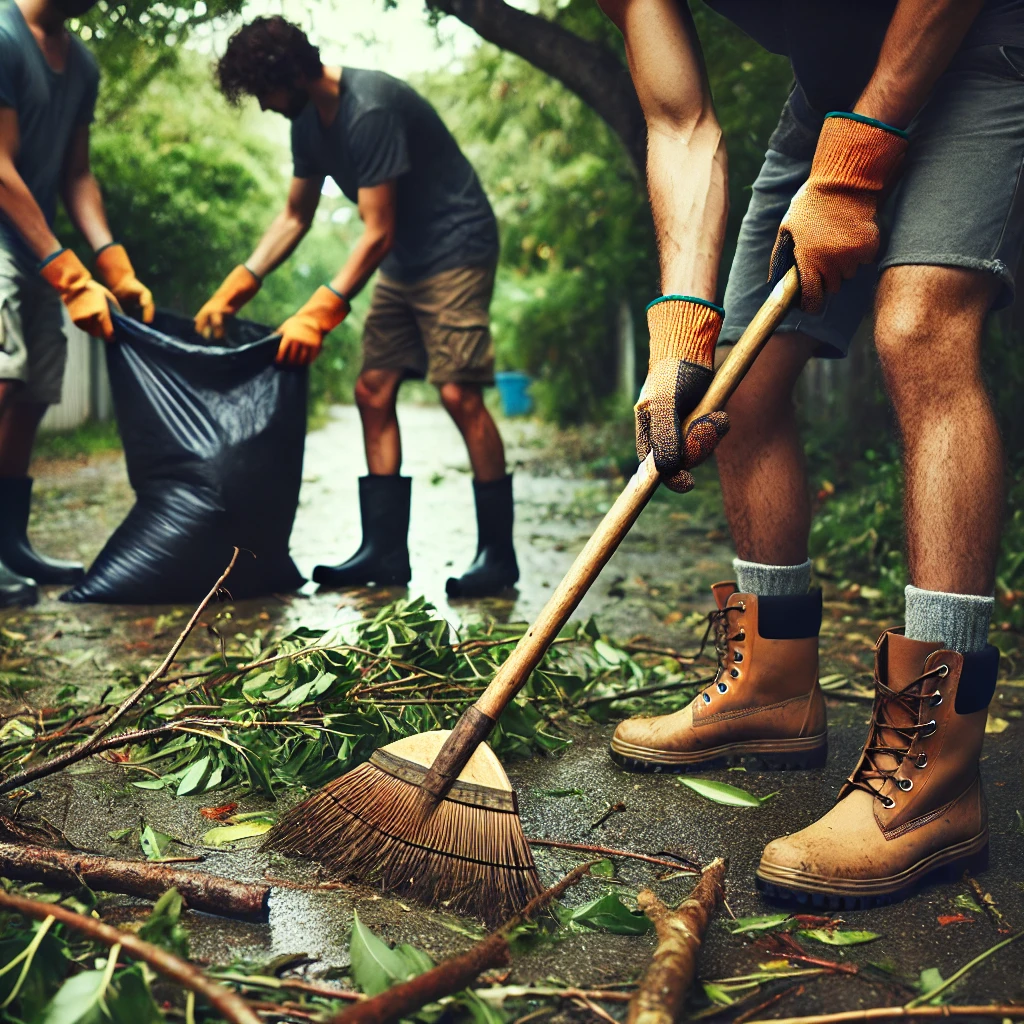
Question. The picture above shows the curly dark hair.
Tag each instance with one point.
(266, 54)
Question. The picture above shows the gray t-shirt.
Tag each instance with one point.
(50, 107)
(385, 130)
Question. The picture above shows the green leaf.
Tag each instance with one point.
(193, 777)
(609, 654)
(149, 784)
(756, 924)
(481, 1012)
(837, 937)
(120, 834)
(723, 793)
(375, 965)
(163, 926)
(154, 844)
(603, 869)
(232, 833)
(930, 980)
(608, 913)
(77, 1001)
(131, 1002)
(966, 902)
(717, 995)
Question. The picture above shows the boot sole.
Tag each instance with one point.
(380, 580)
(790, 885)
(803, 752)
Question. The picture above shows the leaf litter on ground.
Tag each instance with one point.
(723, 793)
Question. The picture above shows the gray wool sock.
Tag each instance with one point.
(772, 580)
(957, 621)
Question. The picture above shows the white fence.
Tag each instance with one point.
(86, 394)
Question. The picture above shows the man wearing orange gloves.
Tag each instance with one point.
(916, 106)
(48, 85)
(428, 226)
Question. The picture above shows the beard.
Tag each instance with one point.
(297, 101)
(73, 8)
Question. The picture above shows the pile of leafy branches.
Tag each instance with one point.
(304, 709)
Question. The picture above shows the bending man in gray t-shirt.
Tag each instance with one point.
(48, 84)
(430, 230)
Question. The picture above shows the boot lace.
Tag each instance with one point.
(909, 700)
(719, 625)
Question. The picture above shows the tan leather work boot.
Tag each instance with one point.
(764, 702)
(913, 807)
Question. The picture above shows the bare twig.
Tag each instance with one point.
(901, 1013)
(957, 975)
(229, 1005)
(668, 978)
(456, 973)
(680, 864)
(201, 891)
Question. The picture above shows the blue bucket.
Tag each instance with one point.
(514, 389)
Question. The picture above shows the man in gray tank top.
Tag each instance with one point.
(48, 86)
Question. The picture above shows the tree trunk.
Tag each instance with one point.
(591, 71)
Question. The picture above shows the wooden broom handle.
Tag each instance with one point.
(477, 721)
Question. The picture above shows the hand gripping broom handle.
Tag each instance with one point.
(476, 722)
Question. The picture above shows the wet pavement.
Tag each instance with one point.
(652, 587)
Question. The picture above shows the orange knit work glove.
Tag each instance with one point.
(235, 291)
(88, 302)
(831, 226)
(116, 269)
(684, 331)
(302, 334)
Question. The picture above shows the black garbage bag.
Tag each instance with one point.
(213, 438)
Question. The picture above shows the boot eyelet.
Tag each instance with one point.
(888, 803)
(742, 606)
(737, 656)
(735, 673)
(921, 761)
(935, 699)
(905, 784)
(742, 636)
(722, 687)
(943, 671)
(929, 728)
(707, 699)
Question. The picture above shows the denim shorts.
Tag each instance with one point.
(959, 201)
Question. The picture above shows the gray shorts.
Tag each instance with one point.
(959, 202)
(33, 346)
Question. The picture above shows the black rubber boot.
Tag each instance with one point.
(383, 557)
(16, 590)
(16, 551)
(495, 568)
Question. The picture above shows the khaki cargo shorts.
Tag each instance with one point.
(438, 328)
(33, 346)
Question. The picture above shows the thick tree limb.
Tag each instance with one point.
(664, 988)
(64, 870)
(456, 973)
(592, 71)
(230, 1006)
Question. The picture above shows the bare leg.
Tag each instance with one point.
(761, 461)
(928, 331)
(376, 394)
(19, 423)
(465, 405)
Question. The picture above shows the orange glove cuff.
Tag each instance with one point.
(326, 308)
(857, 154)
(236, 289)
(65, 271)
(682, 327)
(113, 264)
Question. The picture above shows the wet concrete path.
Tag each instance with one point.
(653, 585)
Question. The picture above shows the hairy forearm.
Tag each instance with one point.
(278, 243)
(21, 209)
(687, 178)
(919, 44)
(363, 260)
(84, 203)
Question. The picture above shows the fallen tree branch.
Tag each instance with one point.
(68, 870)
(229, 1005)
(668, 978)
(456, 973)
(92, 744)
(682, 864)
(900, 1013)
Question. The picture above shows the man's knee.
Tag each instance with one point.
(463, 401)
(376, 391)
(928, 329)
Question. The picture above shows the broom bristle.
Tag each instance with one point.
(370, 825)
